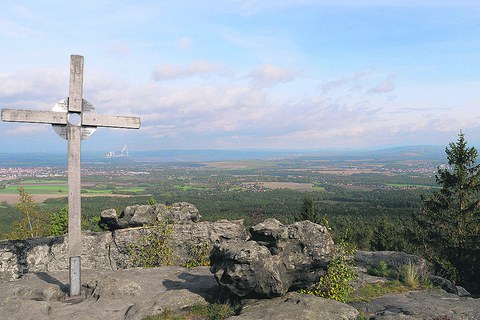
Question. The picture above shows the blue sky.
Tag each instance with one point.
(284, 74)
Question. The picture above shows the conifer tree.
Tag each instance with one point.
(308, 211)
(450, 217)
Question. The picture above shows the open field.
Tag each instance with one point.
(37, 189)
(42, 190)
(39, 198)
(297, 186)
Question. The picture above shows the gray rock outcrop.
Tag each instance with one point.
(109, 250)
(140, 215)
(296, 306)
(137, 293)
(274, 260)
(122, 294)
(420, 305)
(394, 259)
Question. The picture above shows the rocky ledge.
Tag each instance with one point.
(137, 293)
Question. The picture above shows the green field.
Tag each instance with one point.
(59, 187)
(37, 181)
(40, 189)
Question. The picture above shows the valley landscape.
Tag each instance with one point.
(352, 184)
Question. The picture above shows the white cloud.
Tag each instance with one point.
(354, 79)
(34, 85)
(230, 114)
(267, 75)
(195, 68)
(385, 86)
(27, 130)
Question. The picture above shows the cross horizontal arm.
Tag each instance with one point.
(51, 117)
(102, 120)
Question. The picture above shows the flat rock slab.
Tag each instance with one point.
(294, 305)
(419, 305)
(121, 294)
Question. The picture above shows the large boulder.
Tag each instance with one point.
(276, 259)
(140, 215)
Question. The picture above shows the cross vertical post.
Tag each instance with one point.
(74, 137)
(74, 209)
(62, 119)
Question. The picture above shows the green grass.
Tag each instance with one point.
(213, 311)
(40, 189)
(35, 181)
(369, 291)
(63, 189)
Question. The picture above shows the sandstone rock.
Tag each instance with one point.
(140, 215)
(247, 268)
(276, 259)
(296, 306)
(443, 283)
(183, 212)
(393, 259)
(190, 238)
(109, 250)
(184, 239)
(122, 294)
(462, 292)
(421, 305)
(18, 257)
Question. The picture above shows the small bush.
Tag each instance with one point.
(198, 256)
(153, 249)
(382, 270)
(409, 275)
(336, 284)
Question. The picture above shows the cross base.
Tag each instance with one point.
(75, 276)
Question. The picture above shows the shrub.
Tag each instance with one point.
(336, 284)
(383, 270)
(409, 275)
(198, 255)
(153, 249)
(59, 222)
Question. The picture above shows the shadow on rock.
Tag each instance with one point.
(49, 279)
(204, 286)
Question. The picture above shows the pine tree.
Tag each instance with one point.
(308, 211)
(450, 218)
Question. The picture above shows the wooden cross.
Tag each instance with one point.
(73, 119)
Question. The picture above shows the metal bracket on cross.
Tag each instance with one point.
(74, 119)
